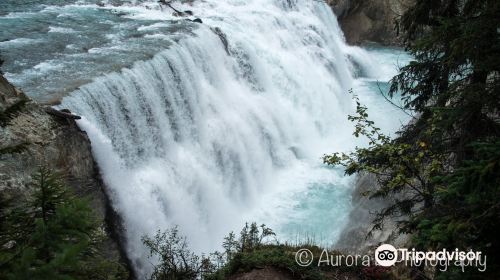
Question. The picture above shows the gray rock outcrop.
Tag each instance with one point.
(55, 142)
(354, 238)
(365, 21)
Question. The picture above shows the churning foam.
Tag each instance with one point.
(202, 137)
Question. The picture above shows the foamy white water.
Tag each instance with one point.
(207, 138)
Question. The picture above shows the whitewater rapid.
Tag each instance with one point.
(207, 138)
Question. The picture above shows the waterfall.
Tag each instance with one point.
(197, 135)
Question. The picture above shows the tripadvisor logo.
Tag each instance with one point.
(386, 255)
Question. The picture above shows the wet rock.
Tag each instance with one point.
(370, 21)
(222, 37)
(354, 238)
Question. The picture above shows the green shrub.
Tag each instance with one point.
(52, 235)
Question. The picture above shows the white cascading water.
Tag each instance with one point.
(198, 136)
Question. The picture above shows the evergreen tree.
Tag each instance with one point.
(52, 235)
(441, 171)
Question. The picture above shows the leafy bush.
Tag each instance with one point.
(252, 249)
(176, 261)
(441, 171)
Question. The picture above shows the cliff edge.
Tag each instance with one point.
(54, 142)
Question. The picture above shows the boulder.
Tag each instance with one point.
(370, 21)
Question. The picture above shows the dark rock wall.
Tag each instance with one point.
(365, 21)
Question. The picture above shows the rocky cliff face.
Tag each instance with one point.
(365, 21)
(355, 238)
(54, 142)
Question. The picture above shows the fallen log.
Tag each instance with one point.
(64, 113)
(176, 13)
